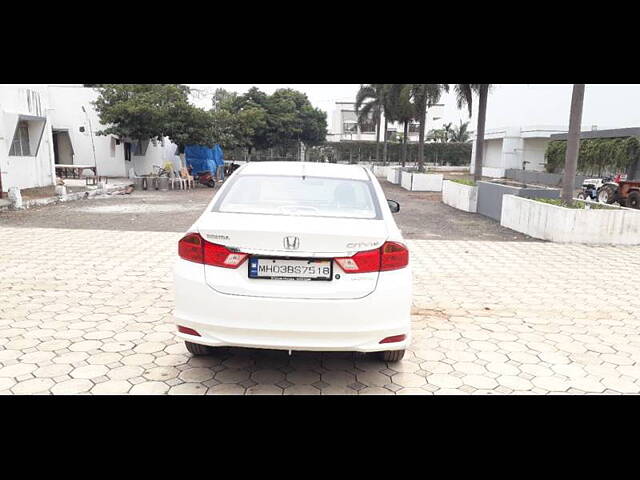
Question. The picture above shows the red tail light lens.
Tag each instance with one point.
(221, 256)
(394, 339)
(190, 248)
(188, 331)
(394, 256)
(361, 262)
(391, 256)
(196, 249)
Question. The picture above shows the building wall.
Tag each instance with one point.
(67, 102)
(31, 102)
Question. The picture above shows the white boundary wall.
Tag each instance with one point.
(460, 196)
(616, 226)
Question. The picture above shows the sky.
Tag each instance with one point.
(605, 105)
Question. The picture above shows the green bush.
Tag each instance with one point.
(597, 156)
(577, 204)
(463, 181)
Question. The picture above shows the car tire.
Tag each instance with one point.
(607, 194)
(393, 355)
(633, 200)
(197, 349)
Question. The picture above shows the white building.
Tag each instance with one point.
(509, 147)
(343, 124)
(26, 146)
(44, 125)
(75, 123)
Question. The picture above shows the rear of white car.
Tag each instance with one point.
(295, 256)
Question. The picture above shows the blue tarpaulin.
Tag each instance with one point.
(203, 159)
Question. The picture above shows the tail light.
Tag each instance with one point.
(196, 249)
(391, 256)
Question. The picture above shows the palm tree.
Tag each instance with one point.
(464, 93)
(370, 103)
(400, 109)
(573, 143)
(460, 134)
(424, 96)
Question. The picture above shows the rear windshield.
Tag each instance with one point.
(308, 196)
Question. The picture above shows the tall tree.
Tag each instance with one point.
(573, 142)
(424, 95)
(464, 93)
(401, 109)
(370, 104)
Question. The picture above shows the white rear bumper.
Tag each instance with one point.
(293, 324)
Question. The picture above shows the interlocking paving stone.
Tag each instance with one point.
(488, 318)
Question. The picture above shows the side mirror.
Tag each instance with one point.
(393, 206)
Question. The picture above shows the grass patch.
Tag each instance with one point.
(470, 183)
(575, 204)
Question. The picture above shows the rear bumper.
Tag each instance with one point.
(293, 324)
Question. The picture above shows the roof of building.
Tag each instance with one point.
(311, 169)
(610, 133)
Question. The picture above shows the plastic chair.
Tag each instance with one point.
(184, 174)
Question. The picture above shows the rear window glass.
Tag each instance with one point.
(288, 195)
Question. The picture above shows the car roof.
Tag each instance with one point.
(310, 169)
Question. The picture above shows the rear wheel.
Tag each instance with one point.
(580, 196)
(633, 200)
(392, 355)
(607, 194)
(197, 349)
(211, 183)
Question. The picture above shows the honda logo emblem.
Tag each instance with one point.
(291, 243)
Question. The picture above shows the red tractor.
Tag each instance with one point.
(625, 192)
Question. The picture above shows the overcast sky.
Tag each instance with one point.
(606, 105)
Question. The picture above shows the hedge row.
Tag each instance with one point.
(354, 151)
(362, 151)
(597, 156)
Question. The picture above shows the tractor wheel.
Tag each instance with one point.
(633, 200)
(580, 196)
(607, 194)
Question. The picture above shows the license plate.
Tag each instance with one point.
(289, 269)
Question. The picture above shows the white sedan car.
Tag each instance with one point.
(295, 256)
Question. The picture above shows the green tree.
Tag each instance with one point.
(152, 111)
(370, 104)
(424, 96)
(460, 133)
(464, 94)
(401, 109)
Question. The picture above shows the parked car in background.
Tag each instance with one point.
(295, 256)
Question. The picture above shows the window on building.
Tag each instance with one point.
(20, 144)
(127, 151)
(350, 127)
(369, 127)
(414, 128)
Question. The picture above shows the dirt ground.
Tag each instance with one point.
(422, 215)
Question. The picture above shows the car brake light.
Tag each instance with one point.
(190, 248)
(361, 262)
(221, 256)
(196, 249)
(394, 256)
(391, 256)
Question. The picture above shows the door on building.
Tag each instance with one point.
(62, 147)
